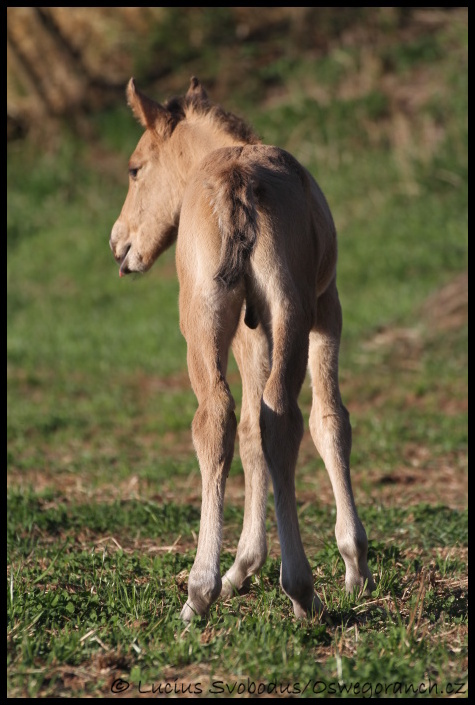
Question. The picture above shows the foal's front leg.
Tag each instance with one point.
(214, 432)
(331, 431)
(251, 351)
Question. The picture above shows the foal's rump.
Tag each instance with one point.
(254, 222)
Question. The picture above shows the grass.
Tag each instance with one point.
(103, 485)
(86, 611)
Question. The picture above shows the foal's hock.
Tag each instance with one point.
(256, 259)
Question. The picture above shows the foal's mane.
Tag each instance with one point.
(182, 106)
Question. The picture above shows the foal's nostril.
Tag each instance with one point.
(120, 257)
(126, 251)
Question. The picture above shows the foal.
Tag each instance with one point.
(256, 259)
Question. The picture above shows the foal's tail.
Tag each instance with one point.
(234, 204)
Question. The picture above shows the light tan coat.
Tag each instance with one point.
(256, 259)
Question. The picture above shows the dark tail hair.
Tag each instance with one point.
(234, 204)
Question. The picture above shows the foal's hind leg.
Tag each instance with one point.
(251, 351)
(208, 331)
(331, 431)
(282, 429)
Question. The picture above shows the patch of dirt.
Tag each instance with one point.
(420, 477)
(447, 308)
(444, 483)
(444, 310)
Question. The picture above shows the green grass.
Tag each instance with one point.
(74, 600)
(103, 484)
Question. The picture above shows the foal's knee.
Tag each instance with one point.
(214, 426)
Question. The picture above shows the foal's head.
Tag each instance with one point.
(178, 135)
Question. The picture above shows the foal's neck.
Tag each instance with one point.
(203, 137)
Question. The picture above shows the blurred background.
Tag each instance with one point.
(373, 101)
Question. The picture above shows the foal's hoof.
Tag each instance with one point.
(316, 609)
(363, 586)
(188, 612)
(229, 589)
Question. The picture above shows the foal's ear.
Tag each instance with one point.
(197, 89)
(147, 111)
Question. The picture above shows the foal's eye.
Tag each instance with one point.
(133, 171)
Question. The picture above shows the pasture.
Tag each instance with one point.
(104, 491)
